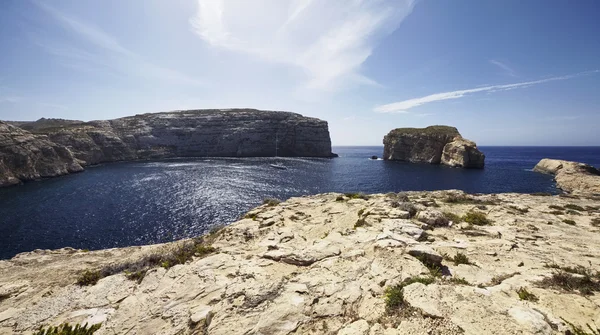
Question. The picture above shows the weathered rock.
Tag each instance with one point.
(463, 153)
(434, 145)
(25, 156)
(433, 218)
(570, 176)
(323, 276)
(50, 147)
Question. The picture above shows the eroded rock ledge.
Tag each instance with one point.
(572, 177)
(323, 264)
(192, 133)
(434, 145)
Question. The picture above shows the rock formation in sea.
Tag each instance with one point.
(191, 133)
(434, 145)
(439, 262)
(25, 156)
(572, 177)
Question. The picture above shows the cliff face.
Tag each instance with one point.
(193, 133)
(571, 177)
(25, 156)
(434, 145)
(327, 264)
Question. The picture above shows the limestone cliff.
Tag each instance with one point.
(434, 145)
(51, 147)
(25, 156)
(570, 176)
(333, 264)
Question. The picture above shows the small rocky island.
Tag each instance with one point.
(433, 145)
(52, 147)
(441, 262)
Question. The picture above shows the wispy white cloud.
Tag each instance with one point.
(119, 57)
(507, 69)
(403, 106)
(326, 39)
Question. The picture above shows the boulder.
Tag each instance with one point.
(463, 153)
(433, 218)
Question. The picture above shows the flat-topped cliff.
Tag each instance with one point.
(439, 262)
(572, 177)
(434, 145)
(190, 133)
(25, 156)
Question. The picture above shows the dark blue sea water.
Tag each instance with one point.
(123, 204)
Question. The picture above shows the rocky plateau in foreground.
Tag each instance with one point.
(440, 262)
(52, 147)
(433, 145)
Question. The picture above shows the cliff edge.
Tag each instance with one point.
(440, 262)
(572, 177)
(434, 145)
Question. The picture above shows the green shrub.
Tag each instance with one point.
(476, 218)
(89, 277)
(460, 281)
(461, 258)
(271, 202)
(526, 295)
(452, 217)
(361, 212)
(136, 270)
(66, 329)
(357, 196)
(569, 222)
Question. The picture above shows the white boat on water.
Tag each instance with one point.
(277, 165)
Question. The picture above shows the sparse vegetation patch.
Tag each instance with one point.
(578, 278)
(575, 330)
(477, 218)
(66, 329)
(394, 295)
(526, 295)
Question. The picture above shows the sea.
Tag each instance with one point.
(137, 203)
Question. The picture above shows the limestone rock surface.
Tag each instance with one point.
(433, 145)
(572, 177)
(25, 156)
(313, 271)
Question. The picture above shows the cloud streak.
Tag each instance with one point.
(326, 43)
(507, 69)
(403, 106)
(118, 58)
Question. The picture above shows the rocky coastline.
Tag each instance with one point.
(572, 177)
(52, 147)
(433, 145)
(440, 262)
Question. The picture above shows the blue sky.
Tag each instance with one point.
(503, 72)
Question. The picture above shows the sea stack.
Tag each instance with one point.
(433, 145)
(571, 177)
(56, 146)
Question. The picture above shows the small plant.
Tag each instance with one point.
(271, 202)
(459, 281)
(394, 295)
(66, 329)
(361, 222)
(357, 196)
(526, 295)
(560, 208)
(251, 216)
(570, 222)
(452, 217)
(574, 207)
(575, 330)
(361, 212)
(88, 277)
(477, 218)
(570, 279)
(461, 258)
(435, 269)
(497, 280)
